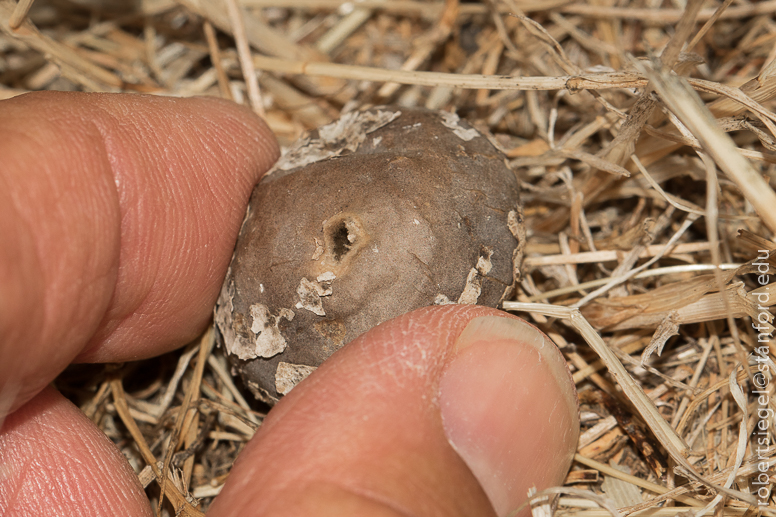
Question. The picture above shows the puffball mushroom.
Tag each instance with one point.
(379, 213)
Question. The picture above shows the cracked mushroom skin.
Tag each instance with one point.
(379, 213)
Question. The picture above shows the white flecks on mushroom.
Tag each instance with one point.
(263, 339)
(326, 276)
(269, 341)
(442, 299)
(222, 315)
(343, 135)
(310, 295)
(319, 249)
(451, 120)
(354, 230)
(513, 223)
(473, 289)
(289, 375)
(259, 392)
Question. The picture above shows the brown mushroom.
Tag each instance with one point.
(372, 216)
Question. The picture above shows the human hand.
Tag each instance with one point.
(118, 215)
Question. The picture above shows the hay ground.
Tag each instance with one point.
(643, 134)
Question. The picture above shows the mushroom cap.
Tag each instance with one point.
(377, 214)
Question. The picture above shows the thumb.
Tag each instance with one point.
(453, 410)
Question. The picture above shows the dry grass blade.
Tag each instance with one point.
(80, 70)
(546, 38)
(740, 398)
(707, 26)
(611, 255)
(259, 35)
(244, 53)
(664, 433)
(653, 487)
(19, 13)
(668, 197)
(340, 32)
(177, 498)
(430, 41)
(668, 15)
(215, 58)
(187, 415)
(606, 504)
(759, 89)
(547, 295)
(574, 83)
(624, 313)
(617, 280)
(431, 10)
(624, 143)
(670, 53)
(690, 109)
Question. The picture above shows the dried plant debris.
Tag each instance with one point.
(379, 213)
(642, 134)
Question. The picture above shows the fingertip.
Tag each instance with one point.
(509, 408)
(55, 461)
(376, 419)
(252, 135)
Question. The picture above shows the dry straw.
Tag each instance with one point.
(644, 137)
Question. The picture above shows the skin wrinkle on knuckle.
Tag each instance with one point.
(124, 141)
(29, 308)
(205, 218)
(67, 206)
(108, 145)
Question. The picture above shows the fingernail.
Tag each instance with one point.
(509, 408)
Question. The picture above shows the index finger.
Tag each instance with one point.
(118, 215)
